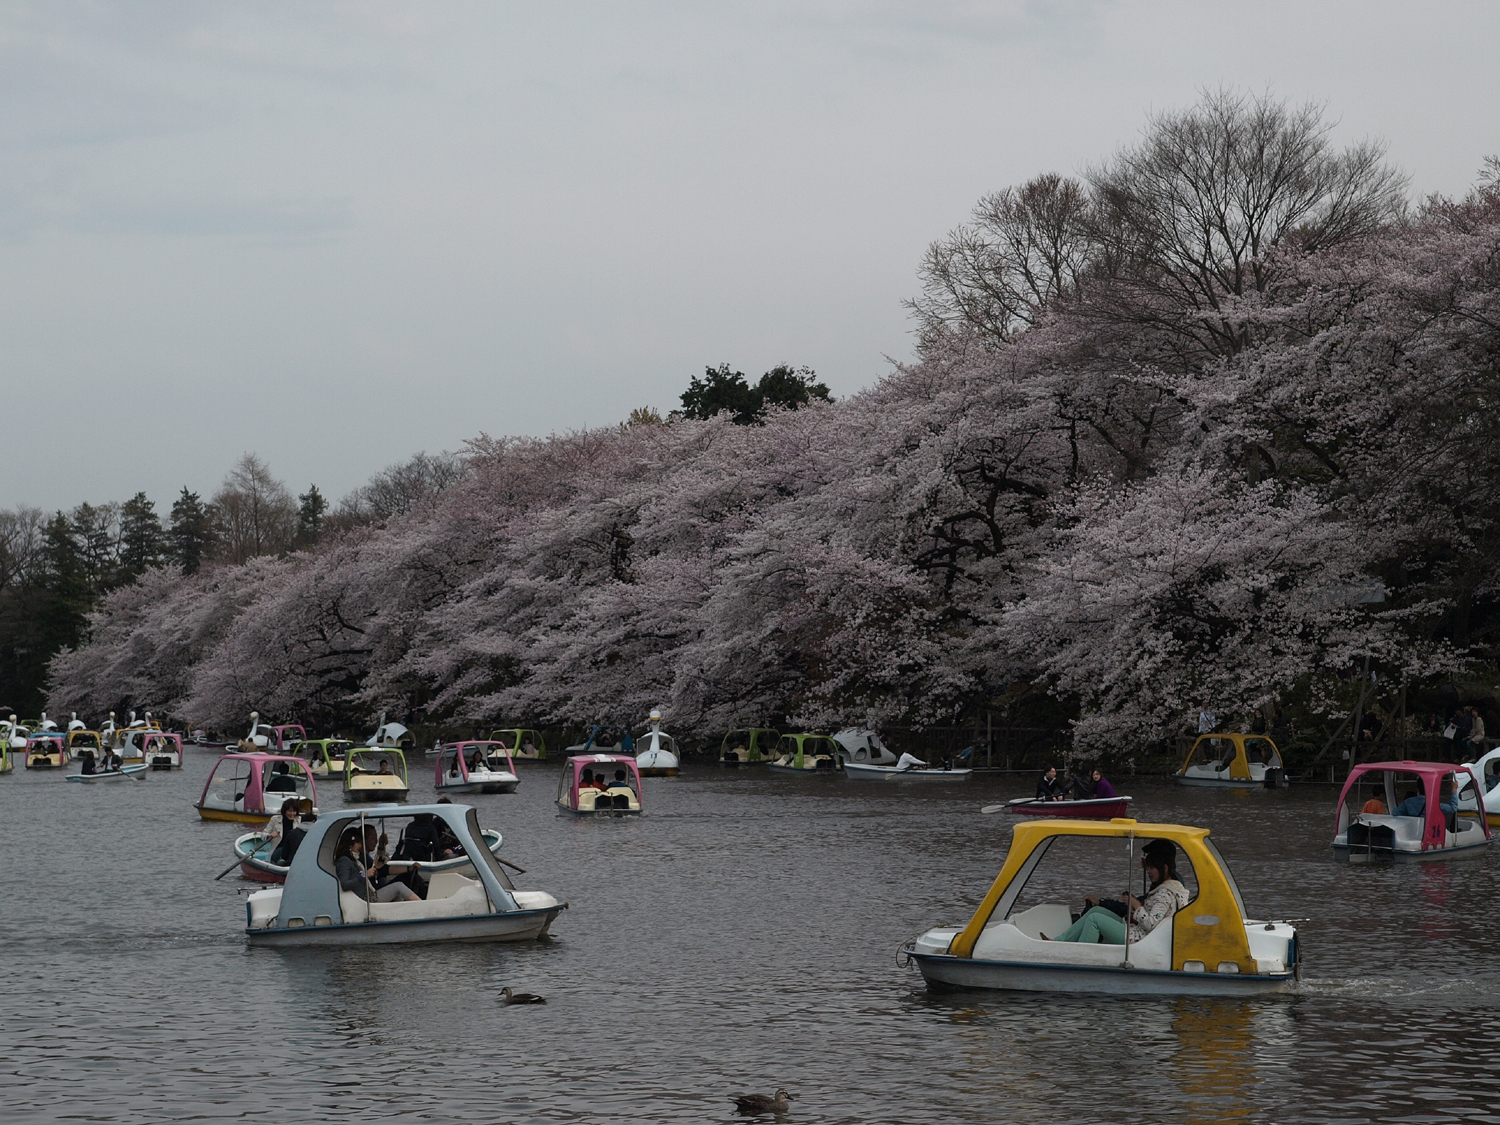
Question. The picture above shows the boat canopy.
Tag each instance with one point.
(756, 742)
(800, 747)
(367, 760)
(1209, 930)
(567, 791)
(243, 782)
(458, 759)
(84, 740)
(1235, 750)
(521, 742)
(1428, 777)
(311, 896)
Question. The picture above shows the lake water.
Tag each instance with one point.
(740, 936)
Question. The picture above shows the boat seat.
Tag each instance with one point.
(466, 901)
(1050, 918)
(445, 884)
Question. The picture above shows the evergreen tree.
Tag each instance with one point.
(722, 389)
(65, 583)
(192, 531)
(96, 541)
(311, 507)
(140, 537)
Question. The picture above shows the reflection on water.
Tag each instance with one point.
(739, 937)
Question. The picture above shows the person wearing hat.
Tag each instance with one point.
(1166, 897)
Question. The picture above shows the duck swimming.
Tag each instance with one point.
(522, 997)
(759, 1103)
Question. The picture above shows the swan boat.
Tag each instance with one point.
(1487, 770)
(906, 773)
(248, 788)
(312, 909)
(1209, 947)
(475, 767)
(660, 758)
(1241, 761)
(618, 799)
(1420, 827)
(255, 848)
(807, 754)
(750, 746)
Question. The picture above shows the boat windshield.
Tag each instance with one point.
(226, 788)
(1234, 887)
(1213, 753)
(1106, 867)
(376, 761)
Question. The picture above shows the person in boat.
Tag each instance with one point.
(527, 748)
(619, 782)
(87, 758)
(1049, 788)
(910, 762)
(1097, 788)
(1375, 806)
(589, 781)
(384, 770)
(282, 780)
(1166, 897)
(355, 877)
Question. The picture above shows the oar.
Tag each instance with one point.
(237, 861)
(512, 866)
(1000, 808)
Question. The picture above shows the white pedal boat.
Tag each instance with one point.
(255, 848)
(1239, 761)
(659, 756)
(475, 766)
(1403, 832)
(909, 773)
(311, 909)
(1487, 770)
(1207, 948)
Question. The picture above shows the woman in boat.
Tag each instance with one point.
(1096, 788)
(1166, 897)
(355, 877)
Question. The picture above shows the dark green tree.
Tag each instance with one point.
(192, 531)
(722, 390)
(141, 537)
(311, 507)
(66, 582)
(783, 386)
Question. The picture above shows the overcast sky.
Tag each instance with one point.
(336, 234)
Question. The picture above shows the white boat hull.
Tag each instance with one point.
(657, 763)
(895, 773)
(516, 925)
(108, 775)
(944, 972)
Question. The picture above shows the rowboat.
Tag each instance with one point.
(312, 909)
(1206, 947)
(255, 848)
(1091, 808)
(136, 770)
(1415, 822)
(909, 773)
